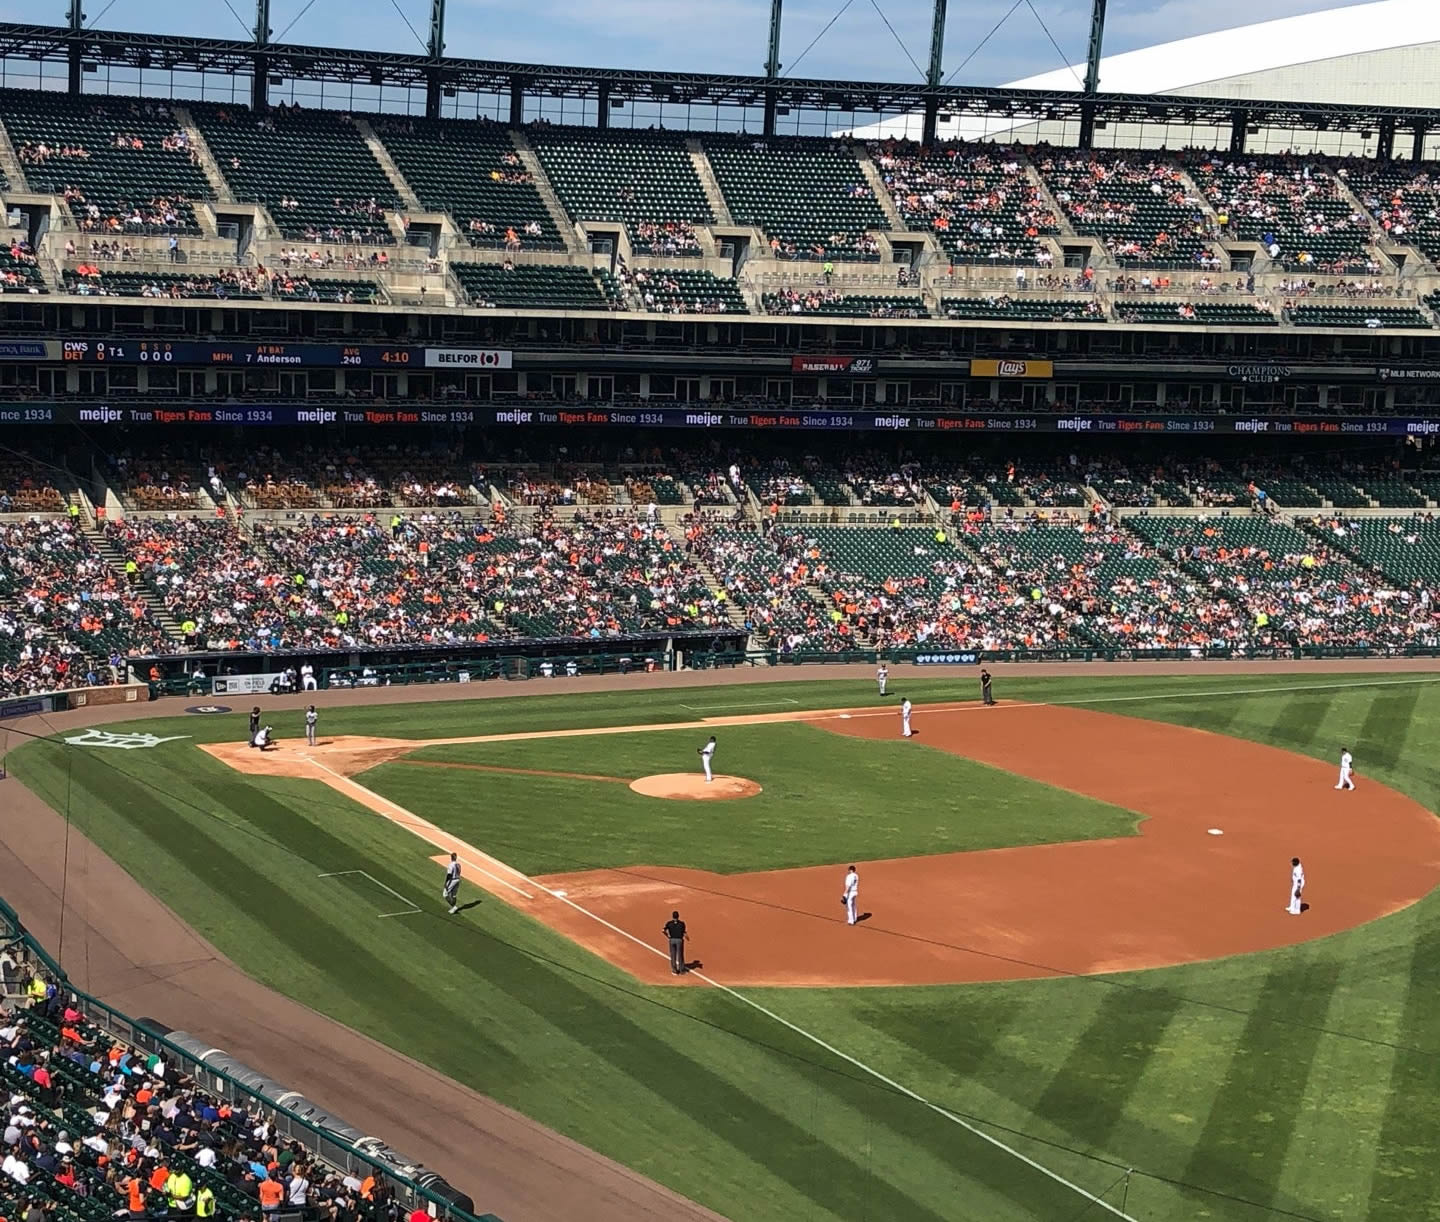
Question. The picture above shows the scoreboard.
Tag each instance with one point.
(252, 355)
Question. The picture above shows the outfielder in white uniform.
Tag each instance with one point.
(851, 894)
(1297, 886)
(310, 719)
(707, 753)
(1346, 760)
(882, 676)
(904, 718)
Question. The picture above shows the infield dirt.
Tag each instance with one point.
(1172, 894)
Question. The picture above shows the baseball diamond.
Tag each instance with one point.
(1116, 991)
(587, 644)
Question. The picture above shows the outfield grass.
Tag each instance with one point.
(1300, 1082)
(825, 798)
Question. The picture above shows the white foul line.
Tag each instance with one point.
(437, 836)
(741, 704)
(975, 707)
(411, 911)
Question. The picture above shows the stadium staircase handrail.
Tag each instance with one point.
(325, 1143)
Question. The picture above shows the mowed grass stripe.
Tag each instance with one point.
(1094, 1085)
(1331, 1160)
(1386, 729)
(1168, 1106)
(1299, 723)
(1403, 1186)
(989, 1065)
(1252, 1119)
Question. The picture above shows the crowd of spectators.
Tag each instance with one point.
(830, 301)
(1296, 589)
(767, 578)
(1139, 203)
(664, 238)
(978, 199)
(64, 607)
(1296, 208)
(98, 1129)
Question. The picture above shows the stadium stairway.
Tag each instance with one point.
(207, 159)
(116, 560)
(877, 185)
(10, 164)
(558, 216)
(387, 163)
(703, 170)
(1062, 218)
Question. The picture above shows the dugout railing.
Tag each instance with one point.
(420, 1189)
(958, 657)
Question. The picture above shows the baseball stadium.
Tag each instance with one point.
(492, 552)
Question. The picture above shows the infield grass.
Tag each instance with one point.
(1298, 1083)
(824, 798)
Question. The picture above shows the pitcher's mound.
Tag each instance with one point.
(695, 788)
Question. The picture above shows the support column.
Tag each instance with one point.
(772, 68)
(76, 23)
(517, 101)
(1417, 149)
(602, 116)
(260, 80)
(434, 79)
(1386, 149)
(934, 75)
(1239, 121)
(1092, 73)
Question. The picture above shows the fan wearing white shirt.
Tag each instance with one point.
(1297, 887)
(1346, 760)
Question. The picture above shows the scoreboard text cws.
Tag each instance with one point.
(256, 355)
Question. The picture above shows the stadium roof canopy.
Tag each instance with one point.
(1157, 85)
(1367, 55)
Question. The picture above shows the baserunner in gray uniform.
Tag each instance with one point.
(452, 884)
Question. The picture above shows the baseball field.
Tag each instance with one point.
(1076, 992)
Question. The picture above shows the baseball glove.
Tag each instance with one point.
(844, 903)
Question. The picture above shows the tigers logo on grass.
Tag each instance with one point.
(123, 742)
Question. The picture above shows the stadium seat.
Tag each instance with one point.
(809, 196)
(311, 169)
(642, 179)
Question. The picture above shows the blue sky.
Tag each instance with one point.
(703, 35)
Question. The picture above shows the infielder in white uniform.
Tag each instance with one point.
(311, 717)
(1345, 761)
(882, 676)
(851, 894)
(707, 753)
(1297, 886)
(904, 718)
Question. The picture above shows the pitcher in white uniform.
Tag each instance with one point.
(851, 894)
(1297, 886)
(707, 753)
(1346, 760)
(904, 718)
